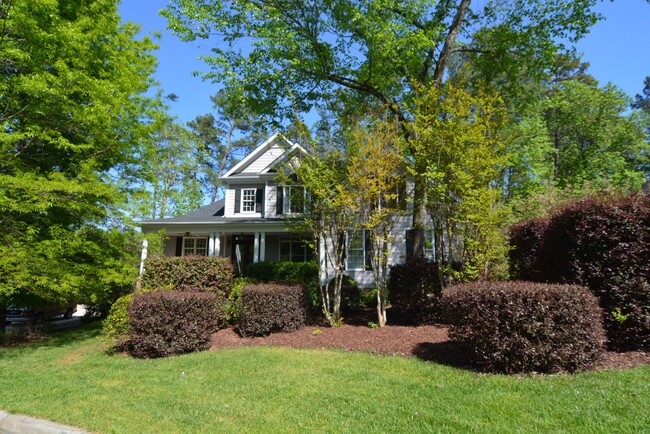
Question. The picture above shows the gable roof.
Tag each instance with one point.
(284, 149)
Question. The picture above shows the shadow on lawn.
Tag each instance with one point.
(445, 353)
(43, 337)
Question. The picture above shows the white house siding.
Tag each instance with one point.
(365, 279)
(170, 246)
(229, 203)
(265, 159)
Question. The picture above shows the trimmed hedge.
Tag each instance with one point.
(601, 244)
(166, 323)
(190, 273)
(272, 307)
(287, 272)
(414, 290)
(516, 327)
(305, 273)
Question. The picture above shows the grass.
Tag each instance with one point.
(70, 379)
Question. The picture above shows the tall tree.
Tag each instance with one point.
(385, 51)
(642, 102)
(461, 137)
(162, 177)
(377, 172)
(70, 100)
(224, 139)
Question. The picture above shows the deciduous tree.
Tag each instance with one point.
(288, 54)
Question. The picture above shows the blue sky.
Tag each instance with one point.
(617, 48)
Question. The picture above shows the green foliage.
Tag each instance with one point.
(515, 327)
(461, 143)
(71, 91)
(115, 327)
(190, 273)
(377, 177)
(269, 308)
(233, 308)
(166, 323)
(225, 138)
(161, 177)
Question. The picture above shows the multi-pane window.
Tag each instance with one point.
(248, 200)
(295, 250)
(195, 246)
(295, 199)
(356, 252)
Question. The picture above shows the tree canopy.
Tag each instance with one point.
(71, 99)
(286, 55)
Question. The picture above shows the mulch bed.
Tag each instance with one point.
(428, 342)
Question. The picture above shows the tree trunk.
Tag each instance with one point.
(381, 308)
(420, 193)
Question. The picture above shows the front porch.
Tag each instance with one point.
(242, 247)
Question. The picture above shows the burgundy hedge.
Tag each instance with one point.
(517, 327)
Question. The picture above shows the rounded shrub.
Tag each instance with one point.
(166, 323)
(271, 307)
(517, 327)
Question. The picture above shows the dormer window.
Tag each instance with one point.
(248, 200)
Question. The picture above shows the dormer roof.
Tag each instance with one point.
(265, 158)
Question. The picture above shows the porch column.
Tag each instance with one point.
(256, 248)
(262, 246)
(217, 244)
(211, 245)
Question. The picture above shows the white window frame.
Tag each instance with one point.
(286, 206)
(193, 249)
(362, 250)
(294, 245)
(247, 205)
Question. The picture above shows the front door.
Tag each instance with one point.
(242, 251)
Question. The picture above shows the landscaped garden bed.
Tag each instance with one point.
(428, 342)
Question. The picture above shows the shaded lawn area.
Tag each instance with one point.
(70, 379)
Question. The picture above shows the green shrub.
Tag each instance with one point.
(166, 323)
(268, 308)
(190, 273)
(116, 325)
(414, 291)
(233, 309)
(603, 244)
(514, 327)
(305, 273)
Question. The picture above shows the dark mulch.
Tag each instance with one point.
(428, 342)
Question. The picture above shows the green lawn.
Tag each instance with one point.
(69, 379)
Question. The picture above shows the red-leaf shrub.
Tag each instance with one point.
(414, 290)
(601, 244)
(515, 327)
(269, 308)
(166, 323)
(190, 273)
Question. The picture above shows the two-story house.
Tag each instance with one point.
(249, 223)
